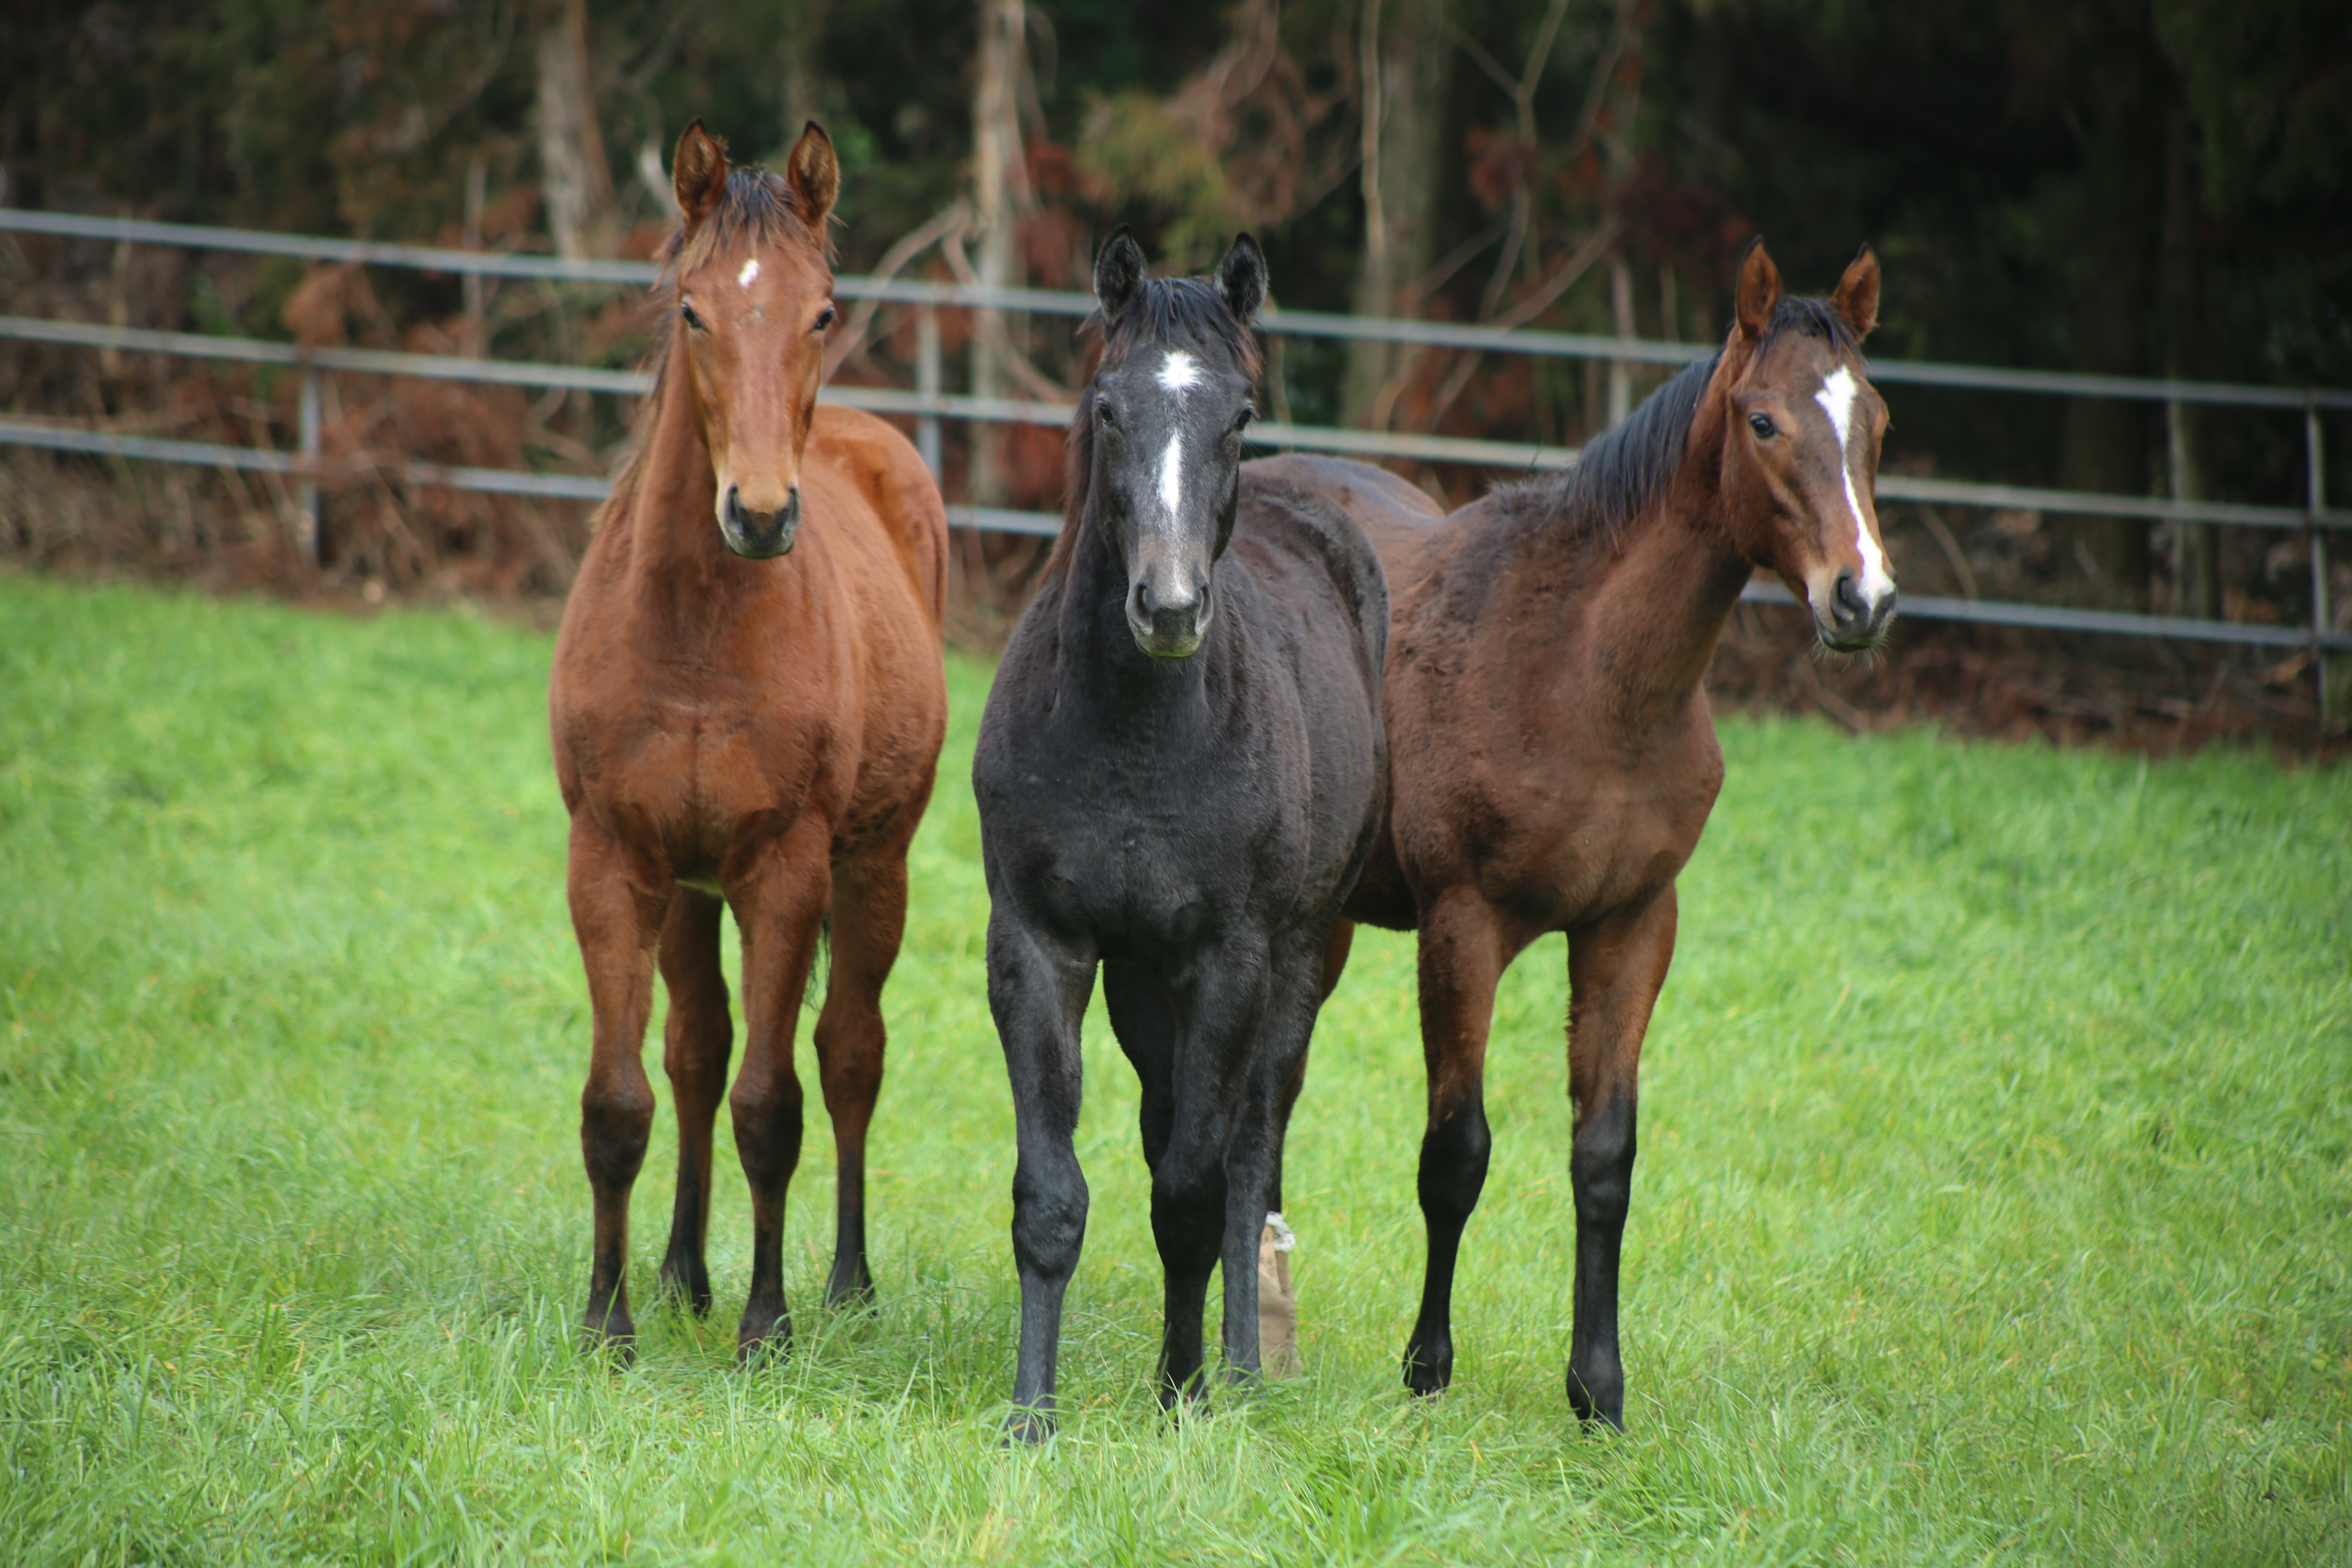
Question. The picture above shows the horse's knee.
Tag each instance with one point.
(697, 1066)
(1188, 1206)
(767, 1127)
(1454, 1154)
(851, 1068)
(1049, 1221)
(1601, 1164)
(617, 1121)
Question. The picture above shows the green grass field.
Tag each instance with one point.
(1995, 1200)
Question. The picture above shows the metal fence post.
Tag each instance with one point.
(306, 518)
(2315, 501)
(927, 384)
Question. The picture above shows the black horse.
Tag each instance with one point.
(1179, 774)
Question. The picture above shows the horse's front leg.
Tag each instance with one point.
(697, 1040)
(869, 919)
(1221, 1017)
(780, 902)
(1615, 967)
(617, 905)
(1038, 989)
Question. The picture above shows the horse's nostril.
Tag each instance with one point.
(1846, 602)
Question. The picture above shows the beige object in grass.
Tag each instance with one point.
(1278, 1303)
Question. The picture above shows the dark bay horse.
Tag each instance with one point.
(1553, 760)
(747, 705)
(1179, 774)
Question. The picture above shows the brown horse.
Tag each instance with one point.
(1552, 759)
(747, 705)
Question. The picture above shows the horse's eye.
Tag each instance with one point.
(1102, 406)
(686, 313)
(826, 317)
(1242, 420)
(1762, 425)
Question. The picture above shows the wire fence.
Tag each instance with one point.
(927, 405)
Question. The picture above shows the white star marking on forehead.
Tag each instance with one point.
(1836, 398)
(1179, 371)
(750, 273)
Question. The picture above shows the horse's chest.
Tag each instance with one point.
(691, 769)
(1142, 869)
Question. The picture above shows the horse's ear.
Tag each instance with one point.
(1759, 290)
(815, 175)
(1241, 278)
(1856, 298)
(1118, 272)
(698, 172)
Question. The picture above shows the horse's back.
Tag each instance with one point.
(1301, 528)
(1398, 520)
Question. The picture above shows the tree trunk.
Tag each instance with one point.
(2114, 239)
(998, 188)
(1406, 62)
(575, 179)
(801, 40)
(2196, 582)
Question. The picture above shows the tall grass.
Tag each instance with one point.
(1995, 1200)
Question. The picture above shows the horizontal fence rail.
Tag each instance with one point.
(1068, 302)
(930, 405)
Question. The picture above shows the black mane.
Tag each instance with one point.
(1623, 472)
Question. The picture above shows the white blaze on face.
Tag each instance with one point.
(750, 273)
(1171, 474)
(1836, 398)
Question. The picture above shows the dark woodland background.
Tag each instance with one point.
(2152, 187)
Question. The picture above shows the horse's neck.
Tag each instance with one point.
(1103, 674)
(1654, 613)
(674, 561)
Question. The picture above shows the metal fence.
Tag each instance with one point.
(927, 403)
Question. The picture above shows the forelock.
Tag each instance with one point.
(757, 208)
(1176, 312)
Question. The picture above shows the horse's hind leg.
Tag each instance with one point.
(1332, 964)
(695, 1042)
(614, 915)
(869, 919)
(1614, 969)
(1296, 983)
(1461, 956)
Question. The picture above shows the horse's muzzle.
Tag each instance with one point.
(760, 535)
(1853, 624)
(1168, 622)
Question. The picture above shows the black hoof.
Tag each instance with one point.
(1028, 1428)
(763, 1337)
(1601, 1399)
(688, 1285)
(1428, 1369)
(847, 1292)
(610, 1334)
